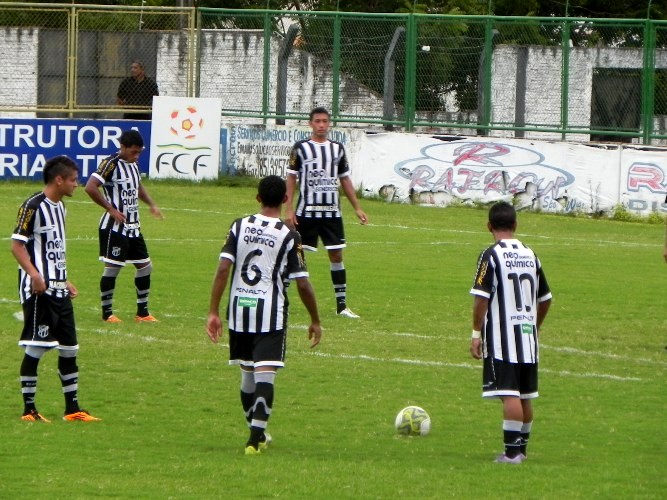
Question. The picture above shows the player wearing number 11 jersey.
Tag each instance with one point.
(266, 255)
(511, 299)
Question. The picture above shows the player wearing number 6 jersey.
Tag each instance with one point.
(266, 255)
(511, 300)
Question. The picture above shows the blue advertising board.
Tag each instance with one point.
(26, 144)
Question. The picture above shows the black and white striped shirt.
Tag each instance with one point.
(318, 166)
(266, 255)
(510, 275)
(40, 225)
(120, 183)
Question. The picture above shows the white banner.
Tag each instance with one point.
(185, 138)
(259, 150)
(549, 176)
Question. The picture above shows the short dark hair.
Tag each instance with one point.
(271, 191)
(502, 216)
(319, 111)
(58, 166)
(131, 138)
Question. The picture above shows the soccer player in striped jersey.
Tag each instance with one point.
(39, 247)
(121, 239)
(266, 255)
(511, 300)
(319, 165)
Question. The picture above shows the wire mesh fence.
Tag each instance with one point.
(558, 78)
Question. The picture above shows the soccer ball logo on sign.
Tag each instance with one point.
(186, 123)
(413, 421)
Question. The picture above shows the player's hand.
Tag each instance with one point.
(290, 219)
(117, 215)
(155, 211)
(214, 327)
(476, 348)
(73, 292)
(314, 334)
(38, 284)
(363, 218)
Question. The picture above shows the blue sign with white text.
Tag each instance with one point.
(26, 144)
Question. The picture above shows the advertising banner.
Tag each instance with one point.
(548, 176)
(26, 144)
(185, 139)
(264, 150)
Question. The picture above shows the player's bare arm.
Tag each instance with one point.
(146, 198)
(93, 191)
(290, 216)
(479, 309)
(22, 256)
(214, 324)
(307, 295)
(542, 310)
(350, 193)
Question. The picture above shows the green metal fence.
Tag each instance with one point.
(554, 78)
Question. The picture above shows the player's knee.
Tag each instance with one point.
(144, 271)
(69, 351)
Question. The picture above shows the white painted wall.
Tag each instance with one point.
(231, 69)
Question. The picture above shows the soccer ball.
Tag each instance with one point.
(186, 123)
(413, 421)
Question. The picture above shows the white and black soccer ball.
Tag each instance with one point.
(413, 421)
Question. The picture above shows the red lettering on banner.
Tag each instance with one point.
(645, 175)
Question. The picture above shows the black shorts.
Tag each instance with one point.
(118, 249)
(257, 349)
(48, 322)
(329, 230)
(501, 378)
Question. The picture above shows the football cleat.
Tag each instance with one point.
(34, 416)
(113, 319)
(251, 450)
(347, 312)
(81, 415)
(146, 319)
(264, 443)
(504, 459)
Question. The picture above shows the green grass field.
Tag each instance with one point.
(173, 427)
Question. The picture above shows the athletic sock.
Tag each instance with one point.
(107, 288)
(68, 371)
(339, 280)
(142, 284)
(525, 436)
(512, 437)
(262, 406)
(29, 382)
(247, 394)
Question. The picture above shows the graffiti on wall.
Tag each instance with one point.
(472, 170)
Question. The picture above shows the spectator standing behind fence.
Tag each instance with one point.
(137, 90)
